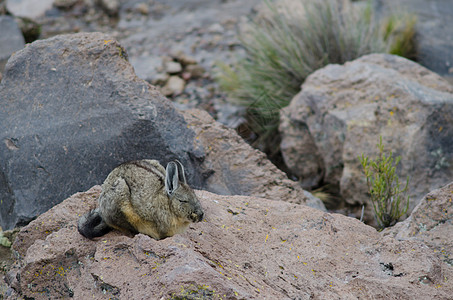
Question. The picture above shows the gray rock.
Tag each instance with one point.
(301, 154)
(71, 110)
(314, 201)
(11, 39)
(342, 110)
(28, 8)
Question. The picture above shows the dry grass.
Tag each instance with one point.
(285, 44)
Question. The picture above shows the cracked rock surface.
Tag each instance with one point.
(246, 248)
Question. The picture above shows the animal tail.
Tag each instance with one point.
(91, 225)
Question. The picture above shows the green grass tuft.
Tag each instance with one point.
(286, 44)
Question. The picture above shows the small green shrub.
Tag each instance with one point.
(4, 241)
(385, 188)
(286, 44)
(399, 31)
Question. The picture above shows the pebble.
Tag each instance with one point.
(111, 6)
(64, 4)
(216, 28)
(172, 67)
(175, 85)
(195, 71)
(160, 79)
(142, 8)
(31, 9)
(183, 58)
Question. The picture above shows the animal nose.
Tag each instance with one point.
(200, 216)
(197, 216)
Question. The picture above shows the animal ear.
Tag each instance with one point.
(181, 175)
(171, 178)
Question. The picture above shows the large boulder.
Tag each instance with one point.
(431, 222)
(343, 109)
(72, 109)
(247, 248)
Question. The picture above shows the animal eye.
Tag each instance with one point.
(183, 201)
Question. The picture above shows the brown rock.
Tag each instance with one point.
(174, 86)
(66, 214)
(430, 223)
(183, 58)
(247, 248)
(110, 6)
(195, 71)
(238, 168)
(142, 8)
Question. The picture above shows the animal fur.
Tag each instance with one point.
(142, 196)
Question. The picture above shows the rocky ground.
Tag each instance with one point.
(182, 40)
(246, 248)
(175, 45)
(76, 121)
(172, 44)
(93, 114)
